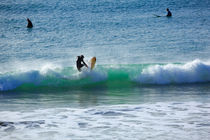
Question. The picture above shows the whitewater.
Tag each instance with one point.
(151, 79)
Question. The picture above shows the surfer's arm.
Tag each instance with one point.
(85, 64)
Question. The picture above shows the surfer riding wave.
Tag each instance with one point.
(81, 62)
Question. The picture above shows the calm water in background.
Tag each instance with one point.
(152, 74)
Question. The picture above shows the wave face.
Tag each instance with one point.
(108, 76)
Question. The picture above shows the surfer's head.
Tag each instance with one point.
(29, 21)
(167, 9)
(82, 56)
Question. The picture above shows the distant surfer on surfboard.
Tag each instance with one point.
(169, 13)
(80, 62)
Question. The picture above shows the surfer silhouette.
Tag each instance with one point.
(81, 62)
(169, 13)
(30, 25)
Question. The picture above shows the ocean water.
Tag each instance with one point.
(151, 79)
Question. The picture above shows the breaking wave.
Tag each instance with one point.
(112, 76)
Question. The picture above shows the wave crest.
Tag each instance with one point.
(192, 72)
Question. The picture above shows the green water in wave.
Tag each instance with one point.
(103, 76)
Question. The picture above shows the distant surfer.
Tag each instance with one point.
(81, 62)
(169, 13)
(30, 25)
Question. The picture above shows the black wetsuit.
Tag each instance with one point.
(30, 25)
(169, 14)
(80, 63)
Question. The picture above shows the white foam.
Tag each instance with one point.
(164, 120)
(192, 72)
(94, 75)
(12, 80)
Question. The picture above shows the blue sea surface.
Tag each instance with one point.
(151, 79)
